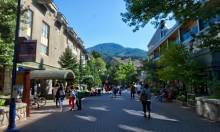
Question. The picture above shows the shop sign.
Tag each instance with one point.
(26, 51)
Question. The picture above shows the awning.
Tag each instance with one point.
(52, 74)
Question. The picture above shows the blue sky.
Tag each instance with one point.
(99, 21)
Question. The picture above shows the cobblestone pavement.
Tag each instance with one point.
(121, 114)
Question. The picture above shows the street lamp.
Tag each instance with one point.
(80, 70)
(12, 108)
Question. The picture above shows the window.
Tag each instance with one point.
(58, 26)
(29, 15)
(185, 35)
(195, 29)
(70, 44)
(44, 38)
(203, 24)
(162, 33)
(43, 49)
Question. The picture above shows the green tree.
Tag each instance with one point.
(120, 73)
(92, 70)
(87, 77)
(131, 72)
(7, 30)
(96, 54)
(177, 63)
(141, 12)
(100, 66)
(68, 61)
(97, 68)
(151, 68)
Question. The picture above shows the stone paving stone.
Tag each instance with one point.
(121, 114)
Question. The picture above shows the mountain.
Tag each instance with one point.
(110, 50)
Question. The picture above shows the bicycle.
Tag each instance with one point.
(38, 102)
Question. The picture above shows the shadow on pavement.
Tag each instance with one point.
(104, 114)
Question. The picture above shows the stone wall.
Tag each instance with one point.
(20, 113)
(208, 108)
(7, 81)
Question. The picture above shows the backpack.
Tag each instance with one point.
(145, 96)
(62, 93)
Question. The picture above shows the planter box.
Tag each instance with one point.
(20, 113)
(209, 108)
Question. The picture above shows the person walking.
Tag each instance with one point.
(138, 86)
(57, 94)
(54, 91)
(114, 92)
(145, 99)
(132, 91)
(78, 99)
(60, 95)
(120, 90)
(72, 98)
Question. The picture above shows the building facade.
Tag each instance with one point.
(182, 34)
(45, 24)
(47, 30)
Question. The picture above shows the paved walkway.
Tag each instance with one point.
(121, 114)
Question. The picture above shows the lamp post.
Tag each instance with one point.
(12, 108)
(80, 70)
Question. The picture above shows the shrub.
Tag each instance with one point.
(214, 87)
(181, 98)
(83, 94)
(2, 102)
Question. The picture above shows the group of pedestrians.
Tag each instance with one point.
(73, 97)
(115, 90)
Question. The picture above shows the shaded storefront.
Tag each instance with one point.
(43, 76)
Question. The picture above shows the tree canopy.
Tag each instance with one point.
(68, 61)
(177, 63)
(141, 12)
(151, 67)
(7, 30)
(122, 73)
(96, 54)
(93, 73)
